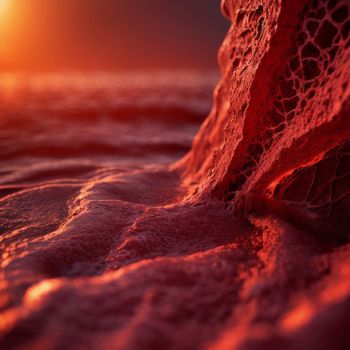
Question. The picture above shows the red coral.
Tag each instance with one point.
(282, 103)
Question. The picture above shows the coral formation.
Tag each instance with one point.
(285, 81)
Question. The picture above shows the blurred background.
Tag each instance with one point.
(48, 35)
(104, 81)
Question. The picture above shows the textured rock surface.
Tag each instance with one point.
(242, 245)
(283, 101)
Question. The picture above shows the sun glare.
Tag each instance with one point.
(2, 4)
(3, 9)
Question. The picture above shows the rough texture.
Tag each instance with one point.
(243, 244)
(286, 73)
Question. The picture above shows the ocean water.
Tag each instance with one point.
(99, 118)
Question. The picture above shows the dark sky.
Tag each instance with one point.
(111, 34)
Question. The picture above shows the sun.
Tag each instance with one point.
(3, 4)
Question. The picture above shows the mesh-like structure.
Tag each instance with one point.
(282, 105)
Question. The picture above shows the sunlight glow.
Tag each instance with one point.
(8, 24)
(35, 293)
(3, 4)
(298, 317)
